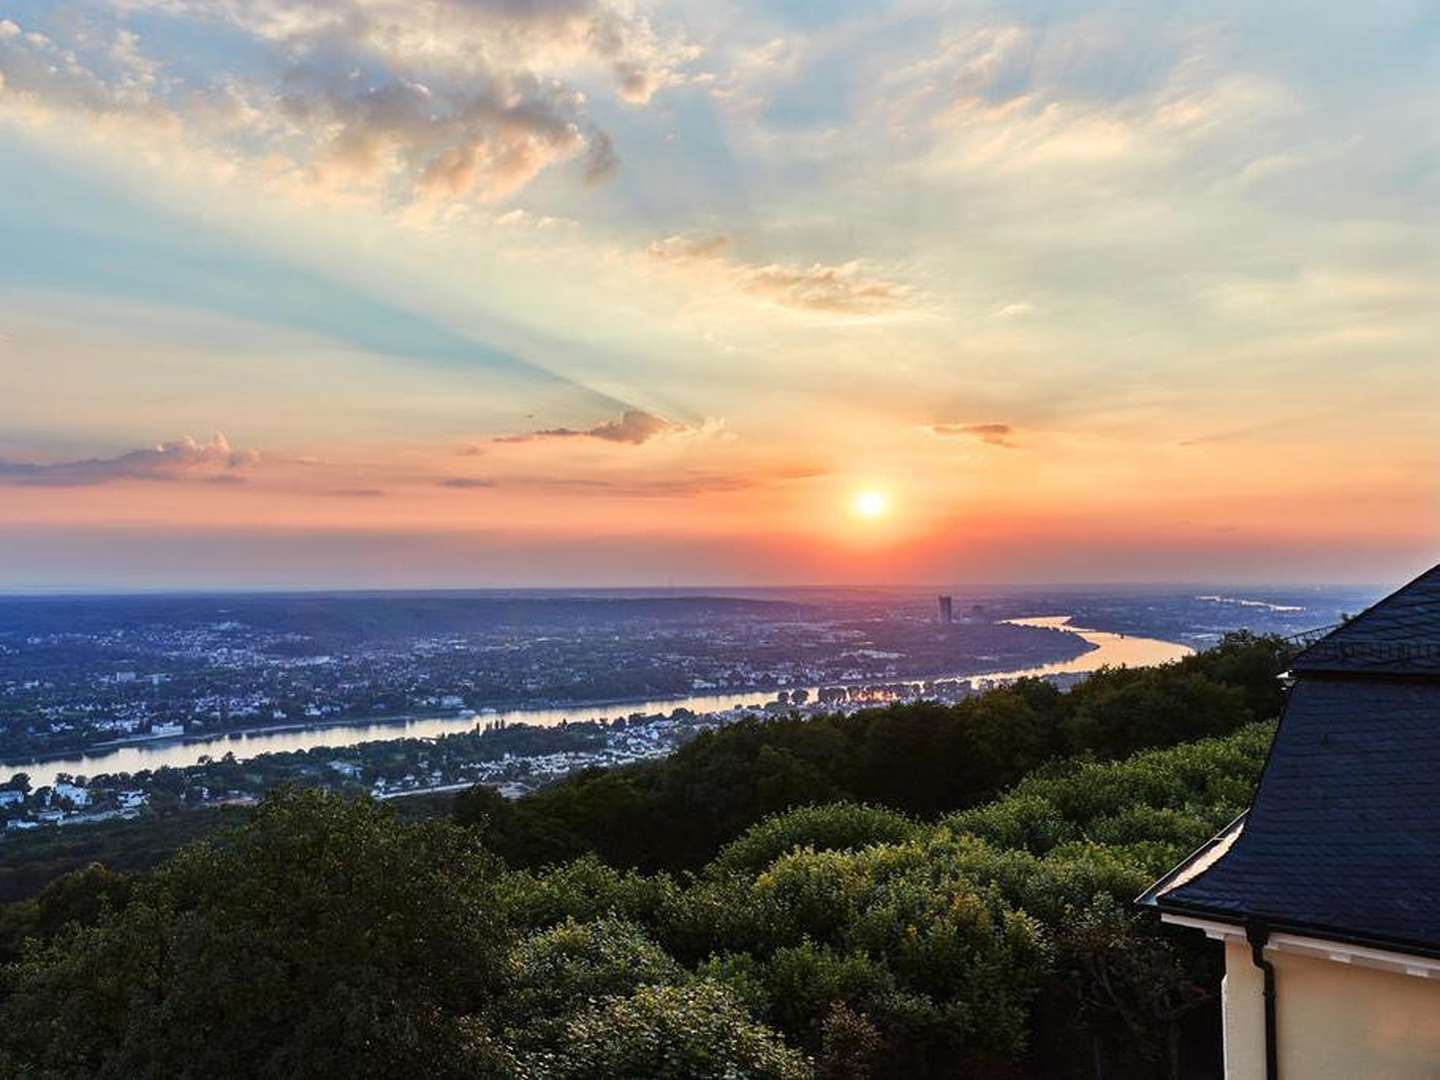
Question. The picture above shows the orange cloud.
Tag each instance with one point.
(994, 434)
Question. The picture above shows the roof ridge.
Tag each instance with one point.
(1344, 647)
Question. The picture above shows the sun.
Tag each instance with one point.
(871, 505)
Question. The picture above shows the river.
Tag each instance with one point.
(1111, 649)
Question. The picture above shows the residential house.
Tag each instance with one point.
(1326, 893)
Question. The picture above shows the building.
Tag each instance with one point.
(947, 609)
(78, 796)
(1326, 893)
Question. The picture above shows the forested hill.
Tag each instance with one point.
(923, 759)
(938, 931)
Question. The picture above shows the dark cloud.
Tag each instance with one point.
(465, 482)
(633, 427)
(994, 434)
(601, 160)
(457, 98)
(491, 139)
(214, 462)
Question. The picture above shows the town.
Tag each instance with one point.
(513, 758)
(77, 674)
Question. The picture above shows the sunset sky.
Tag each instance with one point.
(566, 292)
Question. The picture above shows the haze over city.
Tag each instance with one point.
(597, 292)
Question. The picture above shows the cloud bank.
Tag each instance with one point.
(403, 101)
(183, 459)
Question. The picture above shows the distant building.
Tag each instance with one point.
(1326, 892)
(79, 796)
(947, 610)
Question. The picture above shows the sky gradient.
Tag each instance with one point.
(599, 292)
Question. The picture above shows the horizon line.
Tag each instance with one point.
(89, 591)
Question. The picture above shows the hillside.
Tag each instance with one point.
(947, 934)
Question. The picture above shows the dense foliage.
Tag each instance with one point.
(938, 935)
(924, 759)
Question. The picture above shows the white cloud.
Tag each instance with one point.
(843, 289)
(436, 100)
(463, 39)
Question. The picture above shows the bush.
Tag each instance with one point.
(837, 826)
(694, 1032)
(555, 972)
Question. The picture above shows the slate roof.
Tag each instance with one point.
(1342, 840)
(1398, 636)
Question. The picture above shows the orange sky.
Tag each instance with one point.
(690, 295)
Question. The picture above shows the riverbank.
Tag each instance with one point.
(1101, 648)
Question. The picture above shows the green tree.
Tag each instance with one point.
(693, 1032)
(836, 826)
(18, 782)
(556, 972)
(319, 939)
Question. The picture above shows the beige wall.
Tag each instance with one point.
(1334, 1021)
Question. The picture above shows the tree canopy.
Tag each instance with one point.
(854, 909)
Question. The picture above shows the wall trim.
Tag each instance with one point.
(1421, 967)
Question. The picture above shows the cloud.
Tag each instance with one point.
(386, 99)
(835, 289)
(465, 482)
(994, 434)
(491, 141)
(633, 427)
(639, 487)
(184, 459)
(1262, 428)
(1019, 310)
(840, 289)
(696, 246)
(459, 38)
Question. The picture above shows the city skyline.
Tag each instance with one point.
(363, 293)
